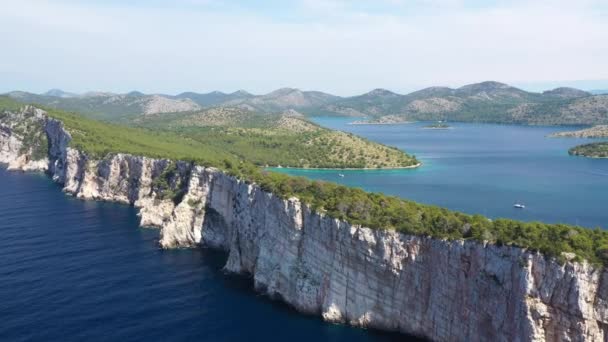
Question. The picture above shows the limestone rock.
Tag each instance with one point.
(442, 290)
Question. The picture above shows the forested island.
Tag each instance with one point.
(592, 150)
(438, 125)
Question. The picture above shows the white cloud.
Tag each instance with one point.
(338, 46)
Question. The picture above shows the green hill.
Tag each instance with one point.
(278, 139)
(234, 134)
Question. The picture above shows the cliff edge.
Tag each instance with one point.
(438, 289)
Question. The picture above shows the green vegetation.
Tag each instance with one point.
(593, 150)
(438, 125)
(99, 139)
(379, 211)
(6, 103)
(34, 138)
(374, 210)
(273, 140)
(168, 184)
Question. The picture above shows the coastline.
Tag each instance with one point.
(346, 169)
(414, 284)
(362, 123)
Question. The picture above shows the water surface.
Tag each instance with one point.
(485, 169)
(74, 270)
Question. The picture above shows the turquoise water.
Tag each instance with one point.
(484, 169)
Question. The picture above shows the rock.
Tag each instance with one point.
(438, 289)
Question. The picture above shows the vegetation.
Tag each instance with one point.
(374, 210)
(275, 139)
(593, 150)
(599, 131)
(438, 125)
(100, 138)
(32, 133)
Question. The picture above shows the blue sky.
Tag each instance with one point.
(339, 46)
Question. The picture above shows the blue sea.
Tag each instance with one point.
(72, 270)
(485, 169)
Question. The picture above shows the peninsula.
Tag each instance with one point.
(599, 131)
(349, 256)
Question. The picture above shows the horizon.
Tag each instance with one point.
(336, 46)
(534, 88)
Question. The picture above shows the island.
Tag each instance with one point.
(385, 120)
(438, 125)
(593, 150)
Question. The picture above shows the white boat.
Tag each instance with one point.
(340, 175)
(519, 206)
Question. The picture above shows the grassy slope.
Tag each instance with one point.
(267, 139)
(373, 210)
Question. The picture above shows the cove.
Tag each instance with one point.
(484, 169)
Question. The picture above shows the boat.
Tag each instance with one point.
(340, 175)
(519, 206)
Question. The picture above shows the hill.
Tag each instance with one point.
(284, 99)
(213, 98)
(107, 106)
(490, 101)
(278, 139)
(233, 134)
(497, 103)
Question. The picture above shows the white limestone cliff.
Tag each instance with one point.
(441, 290)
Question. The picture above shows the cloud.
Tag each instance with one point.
(340, 46)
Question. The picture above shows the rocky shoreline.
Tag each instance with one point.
(600, 131)
(438, 289)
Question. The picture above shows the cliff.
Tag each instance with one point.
(442, 290)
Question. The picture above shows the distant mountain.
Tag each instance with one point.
(214, 98)
(488, 101)
(480, 102)
(109, 106)
(59, 93)
(284, 99)
(599, 91)
(567, 93)
(377, 102)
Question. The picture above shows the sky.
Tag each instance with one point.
(337, 46)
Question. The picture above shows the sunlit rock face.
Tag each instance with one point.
(442, 290)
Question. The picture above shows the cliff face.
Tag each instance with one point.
(442, 290)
